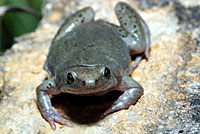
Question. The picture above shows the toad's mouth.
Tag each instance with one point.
(92, 91)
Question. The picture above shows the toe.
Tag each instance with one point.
(52, 124)
(63, 122)
(61, 115)
(107, 112)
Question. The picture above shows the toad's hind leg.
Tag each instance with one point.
(81, 17)
(137, 37)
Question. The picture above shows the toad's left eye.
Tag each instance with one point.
(70, 78)
(106, 72)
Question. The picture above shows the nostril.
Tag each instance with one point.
(84, 83)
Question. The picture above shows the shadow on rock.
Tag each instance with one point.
(84, 109)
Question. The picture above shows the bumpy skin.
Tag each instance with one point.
(90, 57)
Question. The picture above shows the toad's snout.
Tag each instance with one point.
(90, 84)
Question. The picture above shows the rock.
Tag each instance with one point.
(170, 77)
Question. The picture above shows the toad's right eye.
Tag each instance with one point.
(106, 72)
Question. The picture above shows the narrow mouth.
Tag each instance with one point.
(83, 91)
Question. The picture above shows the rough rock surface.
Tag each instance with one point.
(170, 77)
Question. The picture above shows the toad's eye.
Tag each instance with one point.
(106, 72)
(70, 78)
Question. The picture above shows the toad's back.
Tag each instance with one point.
(89, 44)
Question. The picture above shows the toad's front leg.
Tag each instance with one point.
(132, 92)
(44, 102)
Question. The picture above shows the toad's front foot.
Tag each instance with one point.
(44, 103)
(132, 92)
(53, 116)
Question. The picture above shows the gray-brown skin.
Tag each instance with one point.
(90, 57)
